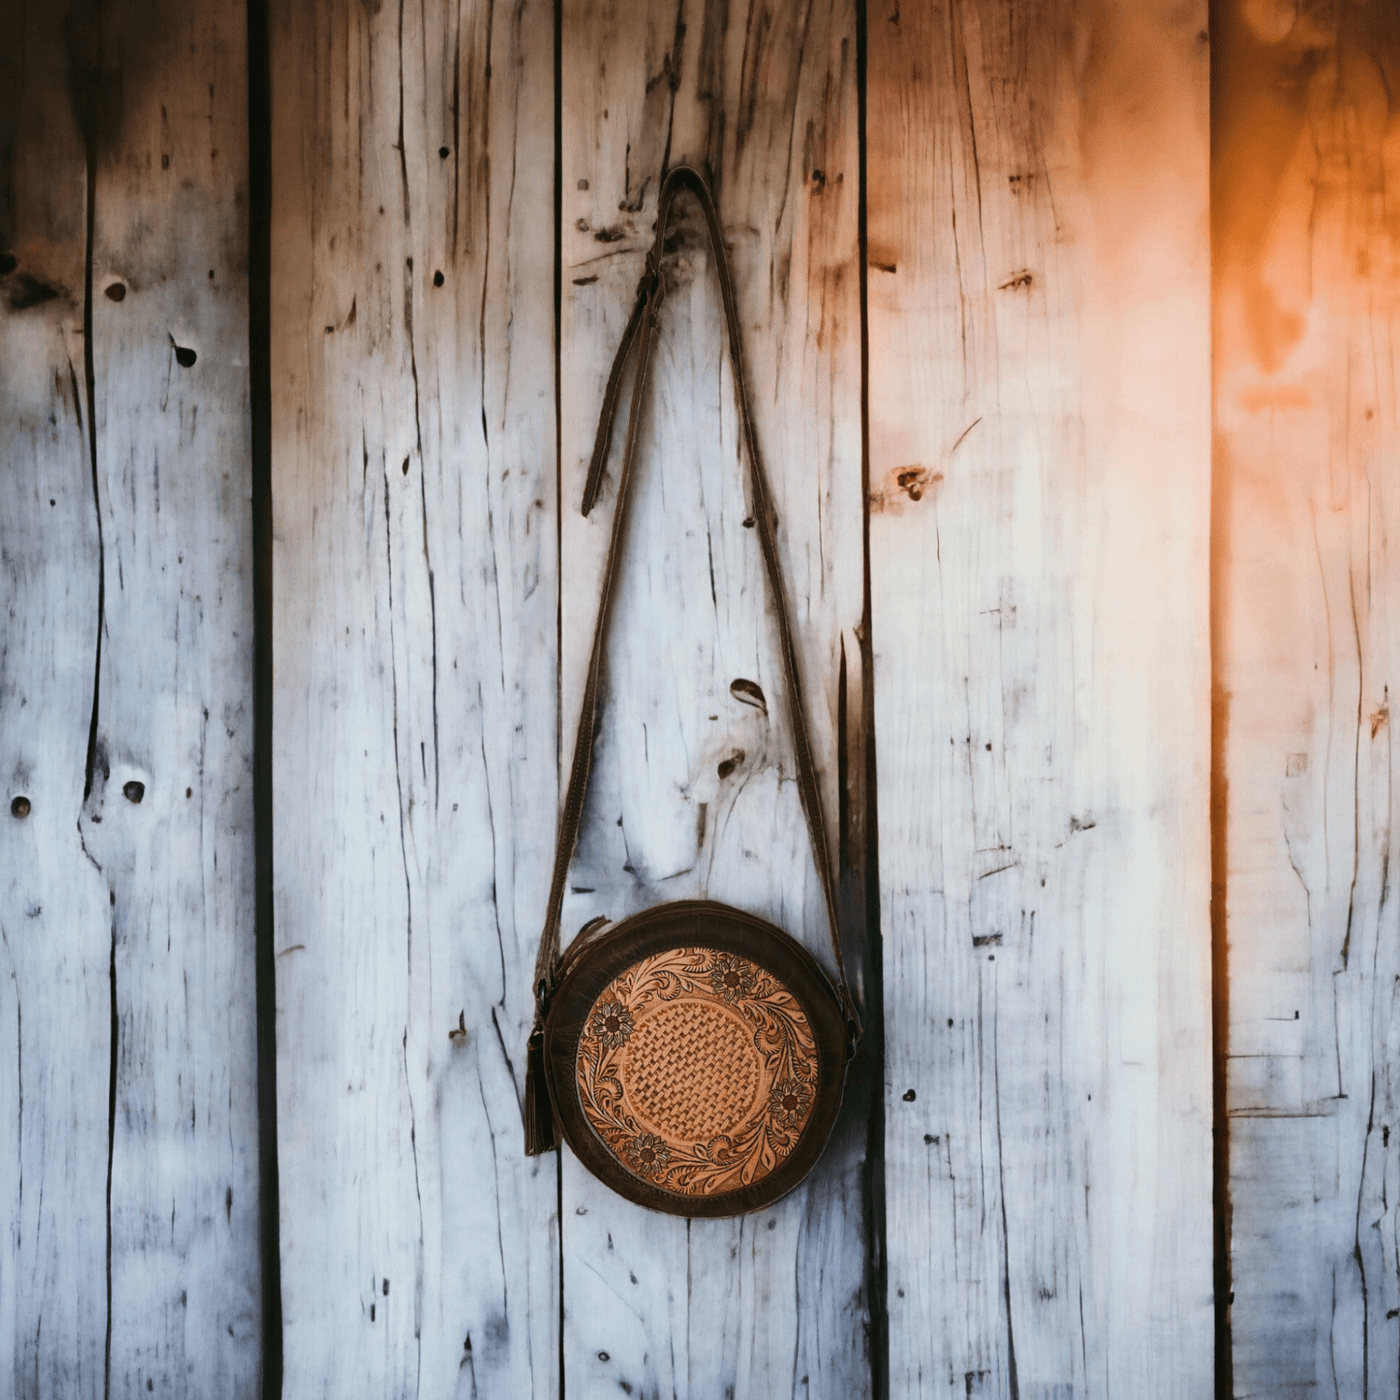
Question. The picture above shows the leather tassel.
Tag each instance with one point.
(540, 1133)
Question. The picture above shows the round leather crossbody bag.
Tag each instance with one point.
(693, 1055)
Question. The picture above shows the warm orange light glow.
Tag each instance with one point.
(1306, 153)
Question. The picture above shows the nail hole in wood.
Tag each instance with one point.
(19, 807)
(134, 791)
(910, 1096)
(749, 693)
(116, 292)
(437, 279)
(444, 152)
(184, 356)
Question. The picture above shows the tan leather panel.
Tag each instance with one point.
(697, 1071)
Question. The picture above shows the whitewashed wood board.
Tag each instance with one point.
(130, 1167)
(693, 791)
(415, 627)
(1306, 320)
(55, 1017)
(1039, 491)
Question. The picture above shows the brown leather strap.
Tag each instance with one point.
(640, 333)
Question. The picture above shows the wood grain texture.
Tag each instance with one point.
(132, 1257)
(1039, 479)
(693, 790)
(415, 714)
(1307, 310)
(54, 1005)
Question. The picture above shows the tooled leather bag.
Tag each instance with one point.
(693, 1055)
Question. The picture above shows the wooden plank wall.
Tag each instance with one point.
(1307, 238)
(128, 1171)
(416, 623)
(694, 793)
(1039, 482)
(1025, 544)
(418, 617)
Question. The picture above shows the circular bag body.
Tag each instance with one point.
(696, 1058)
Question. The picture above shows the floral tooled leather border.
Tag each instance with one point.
(782, 1036)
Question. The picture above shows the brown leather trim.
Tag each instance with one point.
(701, 923)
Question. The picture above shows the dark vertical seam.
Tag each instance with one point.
(90, 386)
(559, 1213)
(485, 139)
(457, 161)
(1011, 1378)
(114, 1045)
(877, 1261)
(432, 620)
(1219, 843)
(260, 412)
(558, 346)
(559, 535)
(90, 762)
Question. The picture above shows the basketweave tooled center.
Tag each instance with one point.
(696, 1070)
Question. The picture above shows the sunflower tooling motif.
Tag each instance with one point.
(789, 1101)
(733, 978)
(612, 1023)
(648, 1154)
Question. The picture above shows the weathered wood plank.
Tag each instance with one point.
(693, 789)
(415, 708)
(170, 818)
(1040, 453)
(54, 1007)
(128, 920)
(1306, 320)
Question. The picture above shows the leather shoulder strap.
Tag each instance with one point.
(639, 336)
